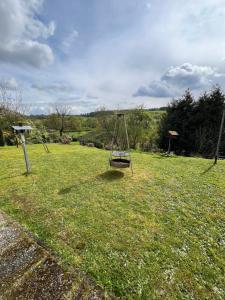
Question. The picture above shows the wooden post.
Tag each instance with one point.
(169, 146)
(25, 153)
(219, 138)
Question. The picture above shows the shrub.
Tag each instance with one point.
(65, 139)
(53, 137)
(99, 145)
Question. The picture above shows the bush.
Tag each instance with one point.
(65, 139)
(34, 140)
(53, 137)
(99, 145)
(10, 140)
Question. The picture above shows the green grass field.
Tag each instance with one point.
(157, 235)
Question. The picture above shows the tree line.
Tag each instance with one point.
(196, 120)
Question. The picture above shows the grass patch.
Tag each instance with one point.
(77, 134)
(157, 235)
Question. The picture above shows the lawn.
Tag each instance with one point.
(77, 134)
(157, 235)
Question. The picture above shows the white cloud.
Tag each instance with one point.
(53, 87)
(148, 5)
(189, 76)
(124, 45)
(176, 79)
(38, 29)
(27, 52)
(155, 89)
(9, 83)
(19, 30)
(69, 40)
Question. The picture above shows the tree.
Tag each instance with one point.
(62, 111)
(11, 108)
(197, 122)
(139, 124)
(105, 124)
(52, 121)
(75, 123)
(2, 139)
(179, 117)
(208, 114)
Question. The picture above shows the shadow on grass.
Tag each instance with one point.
(164, 155)
(14, 176)
(111, 175)
(208, 169)
(66, 190)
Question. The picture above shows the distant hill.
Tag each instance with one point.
(100, 113)
(110, 112)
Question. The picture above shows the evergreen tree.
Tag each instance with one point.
(208, 113)
(2, 139)
(179, 117)
(197, 122)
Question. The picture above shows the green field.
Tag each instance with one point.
(157, 235)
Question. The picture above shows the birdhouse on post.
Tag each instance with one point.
(20, 131)
(172, 134)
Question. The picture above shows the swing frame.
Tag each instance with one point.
(219, 138)
(118, 158)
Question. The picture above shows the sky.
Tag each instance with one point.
(118, 54)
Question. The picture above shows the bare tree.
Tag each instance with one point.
(11, 107)
(62, 110)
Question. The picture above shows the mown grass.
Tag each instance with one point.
(77, 134)
(157, 235)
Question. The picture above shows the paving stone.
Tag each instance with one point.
(30, 272)
(8, 236)
(47, 281)
(16, 261)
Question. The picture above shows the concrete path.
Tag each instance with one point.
(28, 271)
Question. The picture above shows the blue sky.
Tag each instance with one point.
(112, 53)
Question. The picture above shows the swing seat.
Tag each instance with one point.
(120, 154)
(119, 163)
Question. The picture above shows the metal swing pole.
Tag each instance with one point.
(128, 144)
(114, 133)
(44, 146)
(219, 138)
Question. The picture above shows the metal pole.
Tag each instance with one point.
(45, 147)
(219, 138)
(125, 124)
(25, 153)
(128, 144)
(112, 143)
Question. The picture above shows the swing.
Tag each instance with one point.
(120, 153)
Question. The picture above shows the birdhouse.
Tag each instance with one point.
(173, 134)
(22, 129)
